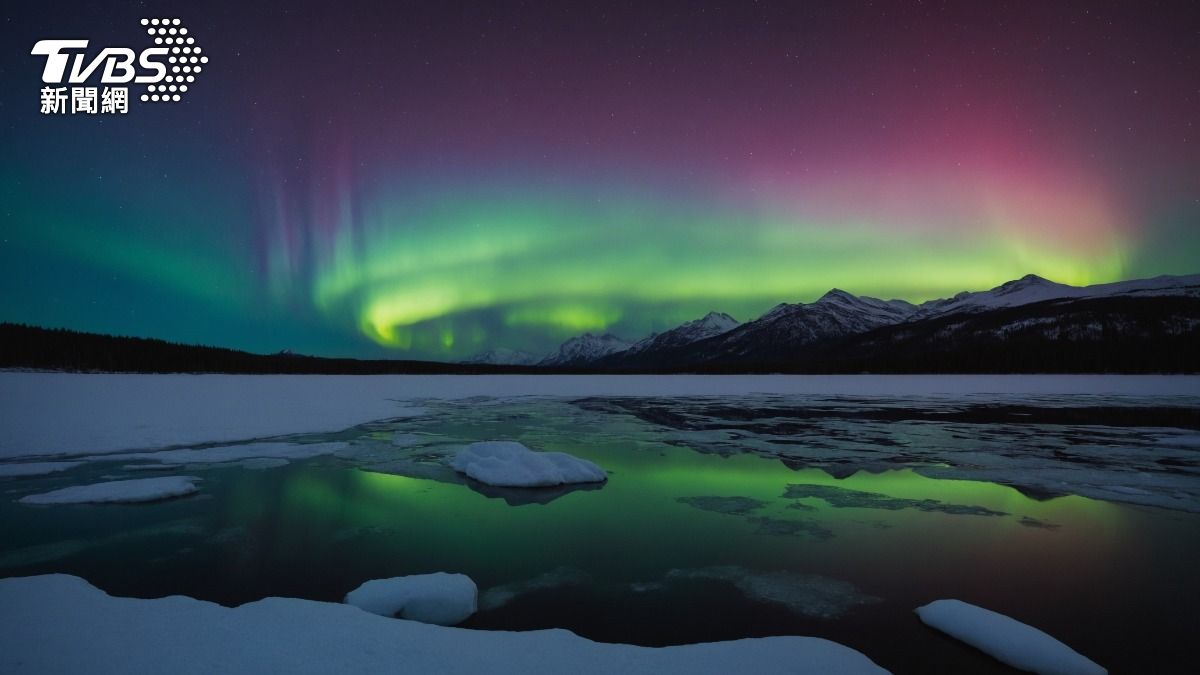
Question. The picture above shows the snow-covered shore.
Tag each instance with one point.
(62, 624)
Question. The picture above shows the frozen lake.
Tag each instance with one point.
(735, 507)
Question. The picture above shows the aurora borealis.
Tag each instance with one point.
(433, 180)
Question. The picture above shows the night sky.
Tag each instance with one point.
(433, 180)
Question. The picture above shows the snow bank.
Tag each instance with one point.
(66, 413)
(510, 464)
(1007, 640)
(34, 468)
(119, 491)
(440, 598)
(62, 624)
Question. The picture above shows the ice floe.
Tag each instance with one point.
(22, 469)
(1007, 640)
(119, 491)
(66, 625)
(231, 453)
(511, 464)
(438, 598)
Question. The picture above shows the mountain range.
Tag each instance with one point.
(1029, 324)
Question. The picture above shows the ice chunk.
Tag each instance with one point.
(68, 626)
(439, 598)
(119, 491)
(34, 468)
(510, 464)
(1007, 640)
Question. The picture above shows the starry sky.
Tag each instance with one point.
(431, 180)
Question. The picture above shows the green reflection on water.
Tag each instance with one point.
(635, 527)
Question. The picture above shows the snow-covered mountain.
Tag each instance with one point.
(1032, 288)
(790, 326)
(713, 323)
(585, 349)
(863, 308)
(502, 356)
(658, 348)
(795, 333)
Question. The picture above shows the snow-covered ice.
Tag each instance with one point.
(21, 469)
(73, 414)
(231, 453)
(68, 626)
(511, 464)
(402, 439)
(1007, 640)
(191, 419)
(119, 491)
(439, 598)
(67, 413)
(261, 463)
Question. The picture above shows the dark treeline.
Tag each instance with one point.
(59, 349)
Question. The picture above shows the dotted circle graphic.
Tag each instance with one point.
(184, 59)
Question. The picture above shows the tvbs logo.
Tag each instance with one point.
(167, 70)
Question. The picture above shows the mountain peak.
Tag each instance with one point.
(1028, 280)
(585, 349)
(837, 293)
(710, 325)
(1030, 283)
(1028, 289)
(718, 319)
(713, 323)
